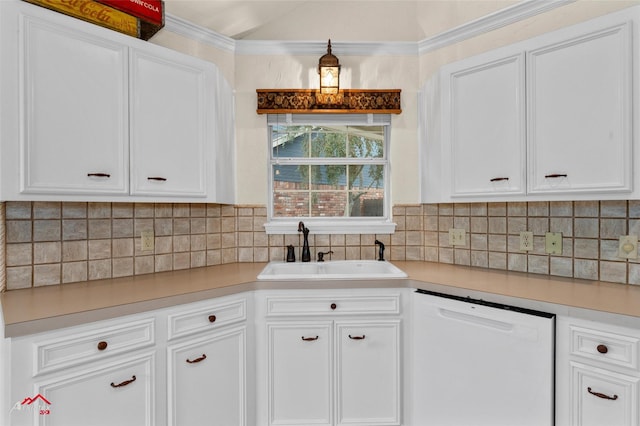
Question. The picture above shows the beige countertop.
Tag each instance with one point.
(40, 309)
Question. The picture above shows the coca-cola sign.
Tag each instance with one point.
(95, 13)
(143, 22)
(149, 10)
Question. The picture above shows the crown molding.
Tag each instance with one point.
(195, 32)
(518, 12)
(270, 47)
(499, 19)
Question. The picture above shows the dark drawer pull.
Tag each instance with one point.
(102, 345)
(157, 178)
(357, 337)
(498, 179)
(309, 339)
(103, 175)
(555, 175)
(202, 358)
(212, 318)
(601, 395)
(333, 306)
(125, 383)
(602, 349)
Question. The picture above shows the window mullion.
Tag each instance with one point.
(329, 161)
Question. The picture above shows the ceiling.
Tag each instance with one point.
(340, 20)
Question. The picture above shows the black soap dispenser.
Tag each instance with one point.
(291, 253)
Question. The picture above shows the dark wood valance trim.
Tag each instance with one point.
(347, 101)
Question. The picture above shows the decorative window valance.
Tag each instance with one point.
(347, 101)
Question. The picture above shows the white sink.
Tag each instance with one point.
(330, 270)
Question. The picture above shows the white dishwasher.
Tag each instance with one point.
(478, 363)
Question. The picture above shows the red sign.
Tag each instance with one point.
(149, 10)
(94, 12)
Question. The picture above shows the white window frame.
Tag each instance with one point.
(332, 225)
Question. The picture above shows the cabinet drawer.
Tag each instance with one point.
(323, 305)
(206, 317)
(66, 350)
(604, 346)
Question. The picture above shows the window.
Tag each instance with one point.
(331, 171)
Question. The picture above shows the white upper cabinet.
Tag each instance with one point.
(484, 104)
(74, 111)
(91, 114)
(580, 124)
(170, 110)
(545, 119)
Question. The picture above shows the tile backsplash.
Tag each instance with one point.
(48, 243)
(55, 243)
(590, 231)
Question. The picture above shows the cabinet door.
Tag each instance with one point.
(170, 118)
(368, 373)
(600, 397)
(300, 373)
(206, 382)
(484, 122)
(74, 115)
(579, 110)
(108, 394)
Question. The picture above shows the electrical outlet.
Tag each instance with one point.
(628, 247)
(553, 243)
(146, 241)
(526, 241)
(457, 237)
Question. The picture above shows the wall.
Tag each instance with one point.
(283, 71)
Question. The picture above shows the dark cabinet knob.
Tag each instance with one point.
(102, 345)
(333, 306)
(212, 318)
(602, 349)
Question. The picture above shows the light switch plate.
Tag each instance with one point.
(628, 247)
(553, 243)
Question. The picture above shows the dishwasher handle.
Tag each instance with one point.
(476, 320)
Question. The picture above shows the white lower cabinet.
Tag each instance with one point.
(179, 366)
(602, 397)
(368, 373)
(300, 365)
(328, 373)
(296, 357)
(118, 393)
(206, 379)
(335, 361)
(98, 374)
(597, 374)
